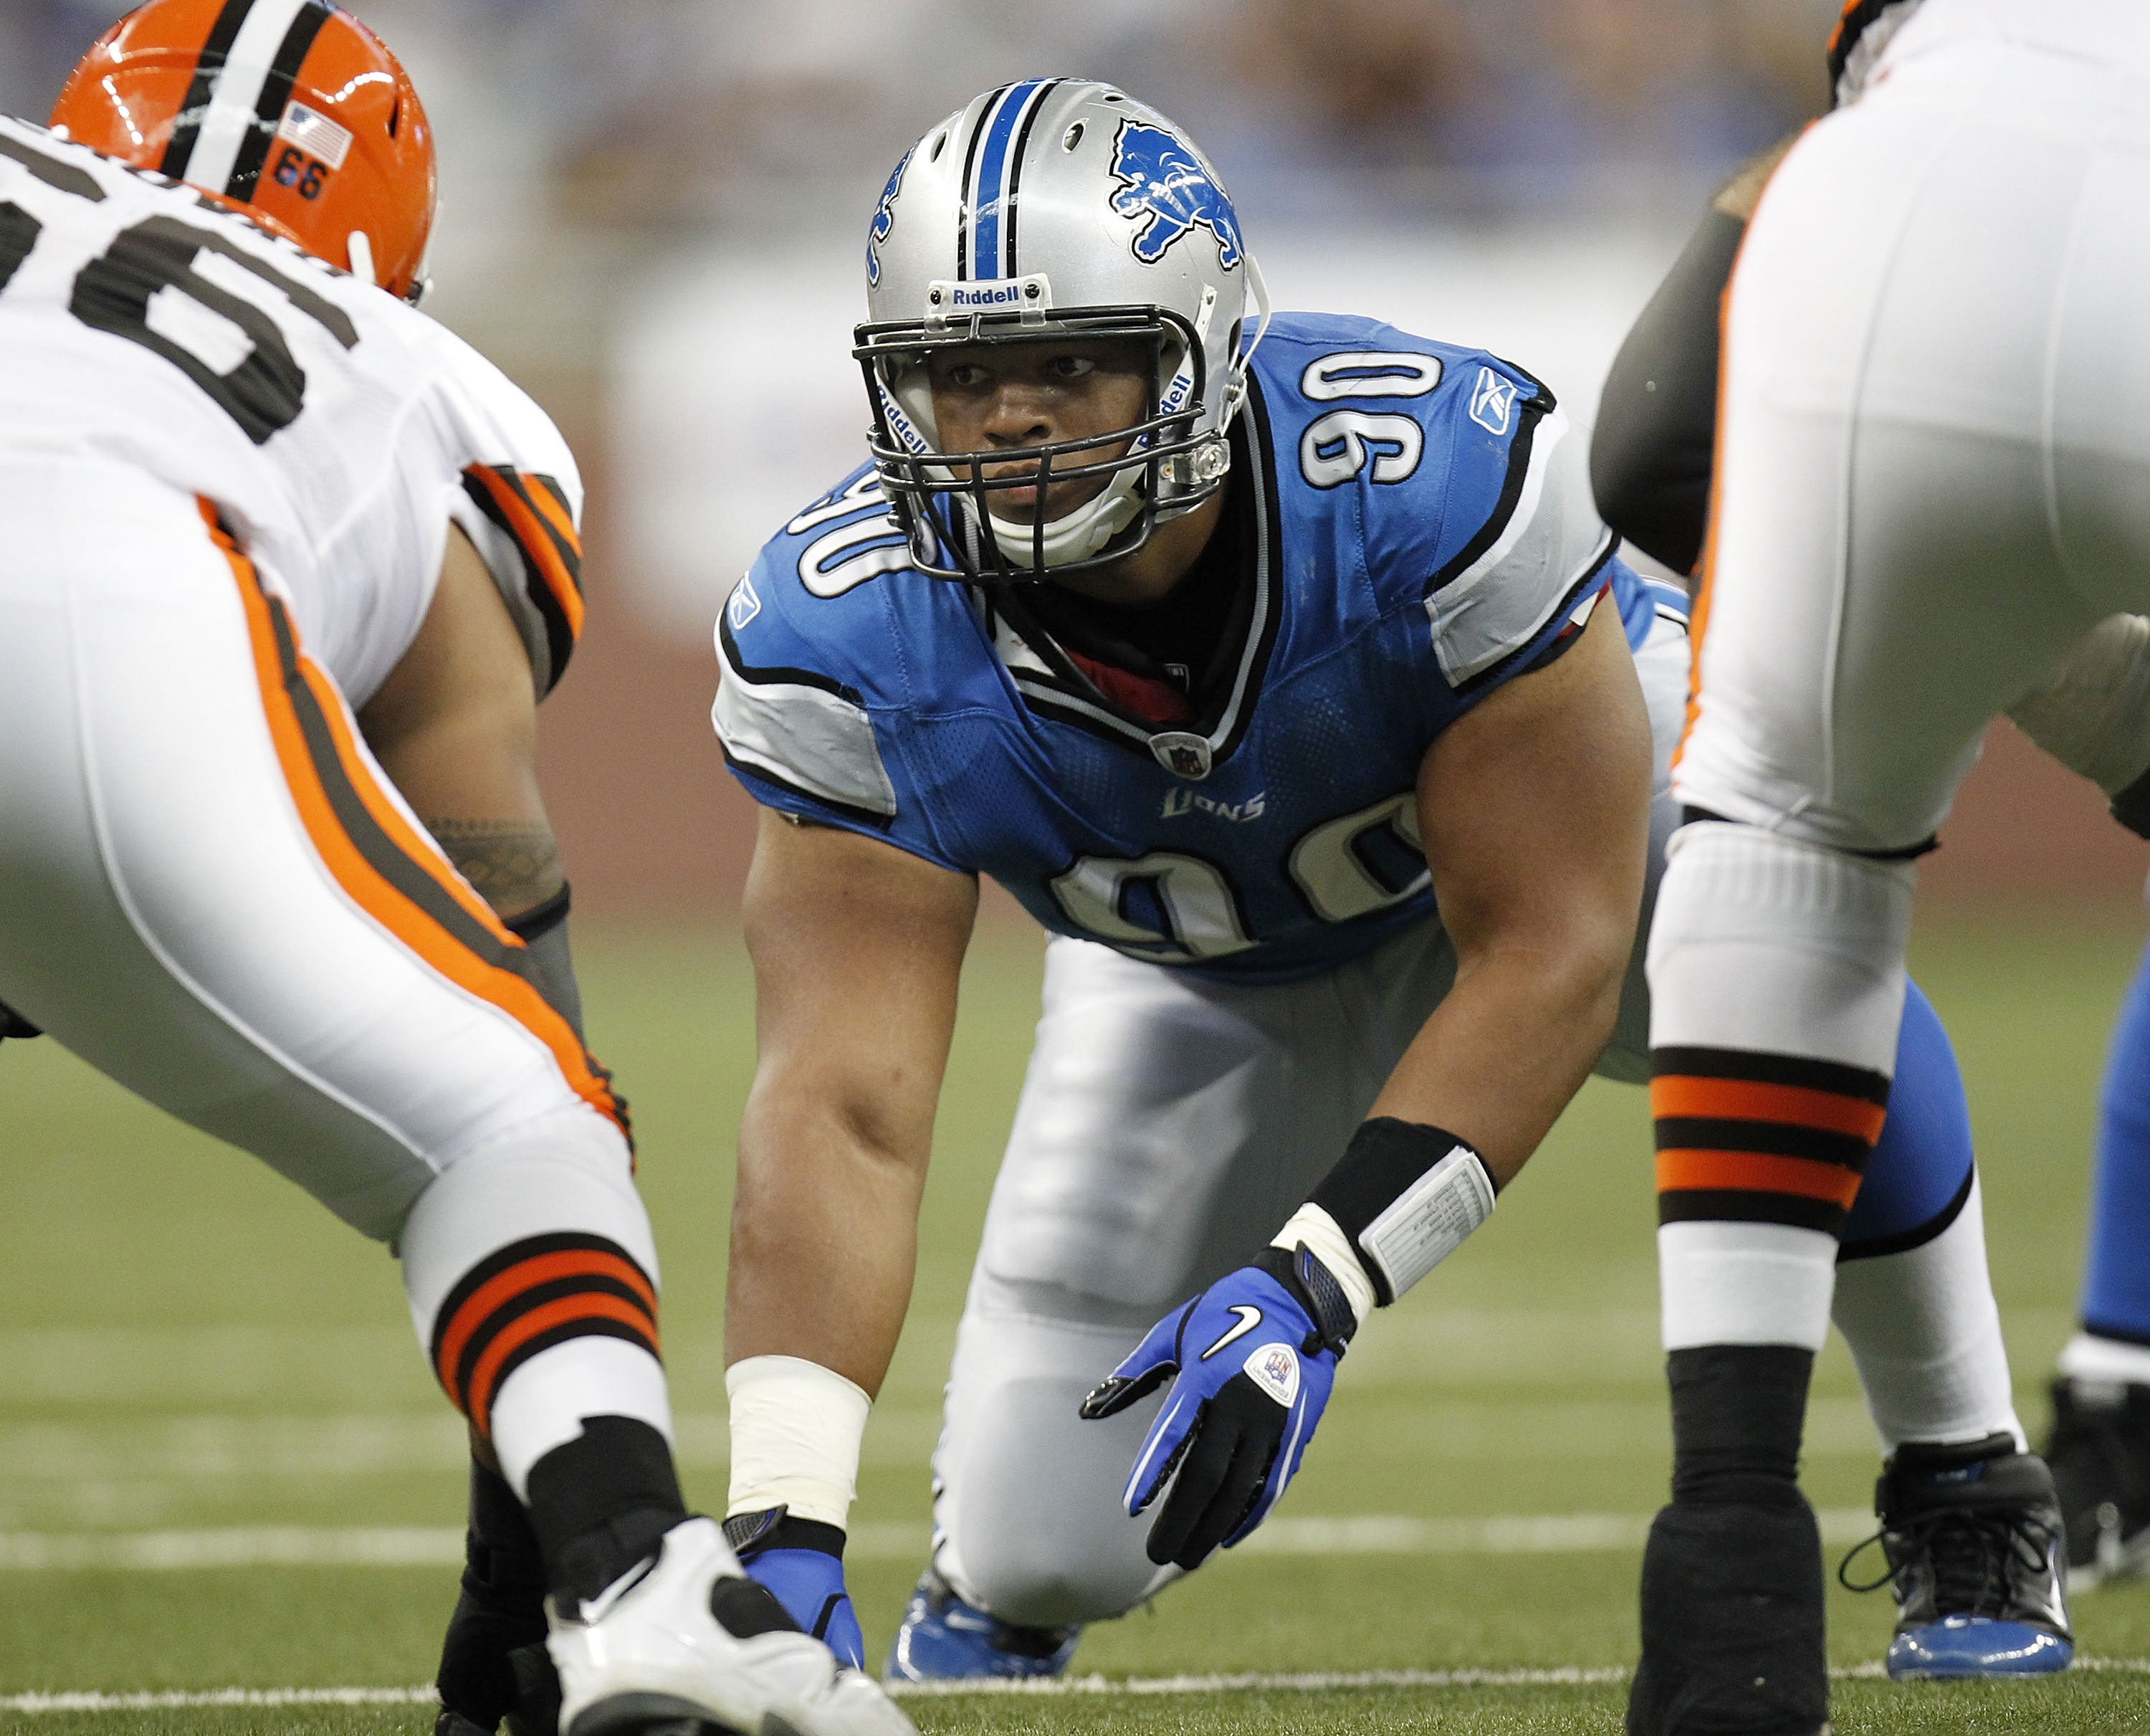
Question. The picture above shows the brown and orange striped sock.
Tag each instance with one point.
(602, 1489)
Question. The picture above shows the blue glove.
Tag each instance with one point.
(1255, 1354)
(803, 1564)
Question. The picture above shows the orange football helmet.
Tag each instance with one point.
(290, 110)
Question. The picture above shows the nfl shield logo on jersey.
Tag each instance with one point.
(1164, 181)
(1183, 754)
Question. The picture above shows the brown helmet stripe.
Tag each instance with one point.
(275, 92)
(179, 149)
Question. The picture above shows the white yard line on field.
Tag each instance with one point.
(294, 1546)
(177, 1700)
(1327, 1682)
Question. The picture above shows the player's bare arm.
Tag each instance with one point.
(1535, 810)
(856, 949)
(455, 726)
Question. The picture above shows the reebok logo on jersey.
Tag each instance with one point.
(1492, 401)
(744, 606)
(1249, 1317)
(1177, 802)
(1275, 1368)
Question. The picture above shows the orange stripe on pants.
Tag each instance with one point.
(421, 931)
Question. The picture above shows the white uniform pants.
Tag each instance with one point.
(1934, 467)
(209, 891)
(1168, 1127)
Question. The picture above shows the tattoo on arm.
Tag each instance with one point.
(512, 864)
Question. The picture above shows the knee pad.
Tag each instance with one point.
(1034, 1531)
(1920, 1173)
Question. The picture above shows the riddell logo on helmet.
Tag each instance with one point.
(992, 294)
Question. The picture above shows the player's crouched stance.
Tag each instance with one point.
(1285, 673)
(284, 570)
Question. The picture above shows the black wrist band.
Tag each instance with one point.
(541, 919)
(1385, 1157)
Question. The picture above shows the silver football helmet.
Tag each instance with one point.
(1055, 208)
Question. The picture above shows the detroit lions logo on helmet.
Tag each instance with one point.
(884, 221)
(1163, 179)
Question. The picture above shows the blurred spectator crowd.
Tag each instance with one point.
(662, 115)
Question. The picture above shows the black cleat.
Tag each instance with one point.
(1972, 1537)
(1732, 1623)
(2100, 1453)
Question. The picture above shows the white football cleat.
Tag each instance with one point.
(651, 1654)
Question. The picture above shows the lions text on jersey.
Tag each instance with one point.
(1422, 531)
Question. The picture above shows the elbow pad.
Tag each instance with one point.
(543, 932)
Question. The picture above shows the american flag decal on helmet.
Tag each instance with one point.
(241, 84)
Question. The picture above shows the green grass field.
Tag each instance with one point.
(222, 1464)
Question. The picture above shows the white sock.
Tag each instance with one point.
(1770, 961)
(2110, 1360)
(539, 1232)
(1762, 942)
(1926, 1332)
(1724, 1282)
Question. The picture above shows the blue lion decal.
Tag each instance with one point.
(884, 221)
(1161, 178)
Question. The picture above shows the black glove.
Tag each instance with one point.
(13, 1024)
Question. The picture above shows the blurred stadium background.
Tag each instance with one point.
(652, 217)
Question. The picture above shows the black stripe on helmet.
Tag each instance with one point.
(963, 187)
(180, 148)
(275, 92)
(1038, 103)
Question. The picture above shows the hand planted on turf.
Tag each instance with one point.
(1251, 1371)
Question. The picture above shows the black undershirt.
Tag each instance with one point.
(1190, 640)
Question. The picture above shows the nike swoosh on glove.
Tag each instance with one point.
(1251, 1370)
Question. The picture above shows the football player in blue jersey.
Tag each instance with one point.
(1282, 668)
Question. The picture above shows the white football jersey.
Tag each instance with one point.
(335, 430)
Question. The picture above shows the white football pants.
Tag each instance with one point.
(1933, 480)
(211, 894)
(1933, 455)
(1168, 1127)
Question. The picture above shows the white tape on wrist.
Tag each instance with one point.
(1325, 1240)
(795, 1431)
(1429, 1220)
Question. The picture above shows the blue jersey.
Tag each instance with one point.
(1422, 530)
